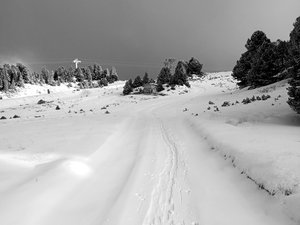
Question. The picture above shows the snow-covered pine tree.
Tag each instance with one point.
(127, 89)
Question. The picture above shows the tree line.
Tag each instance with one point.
(265, 62)
(182, 72)
(12, 76)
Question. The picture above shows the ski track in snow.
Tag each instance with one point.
(161, 208)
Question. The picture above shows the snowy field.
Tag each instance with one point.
(93, 156)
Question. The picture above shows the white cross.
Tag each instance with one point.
(76, 61)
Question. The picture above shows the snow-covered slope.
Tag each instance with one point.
(104, 158)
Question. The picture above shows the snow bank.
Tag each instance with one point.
(261, 138)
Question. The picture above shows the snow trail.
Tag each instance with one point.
(141, 164)
(161, 208)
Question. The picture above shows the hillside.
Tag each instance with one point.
(95, 156)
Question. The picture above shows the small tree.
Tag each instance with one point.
(137, 82)
(60, 74)
(145, 78)
(79, 75)
(159, 87)
(1, 78)
(47, 76)
(5, 78)
(194, 67)
(105, 73)
(180, 76)
(24, 72)
(36, 78)
(88, 74)
(164, 76)
(103, 82)
(16, 77)
(97, 72)
(113, 74)
(70, 75)
(127, 89)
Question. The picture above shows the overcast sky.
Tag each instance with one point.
(137, 35)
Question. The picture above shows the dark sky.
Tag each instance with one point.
(137, 35)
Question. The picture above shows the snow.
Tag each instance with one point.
(153, 159)
(33, 89)
(261, 137)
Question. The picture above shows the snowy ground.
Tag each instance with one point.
(103, 158)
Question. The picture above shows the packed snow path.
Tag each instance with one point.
(144, 164)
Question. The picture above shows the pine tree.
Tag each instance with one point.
(103, 82)
(295, 42)
(145, 78)
(194, 67)
(263, 66)
(1, 78)
(159, 87)
(87, 74)
(256, 40)
(24, 72)
(249, 59)
(18, 76)
(137, 82)
(70, 75)
(282, 55)
(105, 73)
(242, 68)
(79, 75)
(294, 89)
(60, 74)
(164, 76)
(9, 76)
(14, 77)
(127, 89)
(5, 78)
(180, 76)
(97, 72)
(113, 74)
(46, 76)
